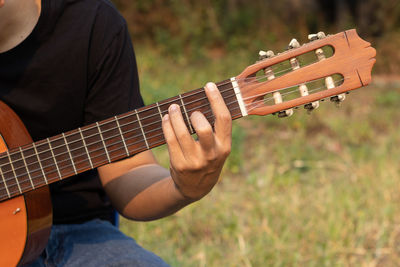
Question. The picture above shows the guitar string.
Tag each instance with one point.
(263, 101)
(156, 129)
(134, 129)
(39, 144)
(338, 82)
(188, 94)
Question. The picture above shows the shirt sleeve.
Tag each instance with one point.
(113, 83)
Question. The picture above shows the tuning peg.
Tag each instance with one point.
(270, 54)
(293, 44)
(262, 55)
(303, 88)
(311, 106)
(321, 35)
(270, 76)
(316, 36)
(338, 99)
(285, 113)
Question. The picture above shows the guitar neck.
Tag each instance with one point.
(53, 159)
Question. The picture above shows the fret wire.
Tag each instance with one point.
(159, 111)
(40, 163)
(84, 144)
(54, 158)
(122, 136)
(104, 144)
(15, 175)
(141, 128)
(187, 117)
(4, 181)
(26, 166)
(69, 152)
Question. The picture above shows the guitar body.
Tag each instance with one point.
(25, 221)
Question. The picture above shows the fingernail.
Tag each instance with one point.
(166, 117)
(173, 108)
(194, 114)
(211, 86)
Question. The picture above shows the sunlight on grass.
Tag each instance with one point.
(315, 190)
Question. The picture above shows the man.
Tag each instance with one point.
(68, 63)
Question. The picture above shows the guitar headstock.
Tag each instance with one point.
(327, 67)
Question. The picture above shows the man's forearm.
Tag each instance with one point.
(145, 193)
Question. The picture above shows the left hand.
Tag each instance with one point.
(196, 165)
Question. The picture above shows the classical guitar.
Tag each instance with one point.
(325, 68)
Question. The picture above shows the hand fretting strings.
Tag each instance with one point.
(156, 129)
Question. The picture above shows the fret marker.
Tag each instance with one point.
(15, 175)
(84, 144)
(239, 96)
(4, 181)
(40, 163)
(187, 116)
(104, 144)
(26, 167)
(122, 136)
(54, 158)
(141, 128)
(16, 211)
(69, 152)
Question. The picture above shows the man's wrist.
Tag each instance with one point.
(178, 195)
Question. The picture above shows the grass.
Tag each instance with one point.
(309, 190)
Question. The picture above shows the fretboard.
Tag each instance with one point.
(53, 159)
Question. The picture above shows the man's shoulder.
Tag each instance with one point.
(98, 20)
(103, 9)
(107, 9)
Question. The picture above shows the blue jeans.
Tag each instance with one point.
(94, 243)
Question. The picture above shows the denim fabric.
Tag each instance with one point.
(95, 243)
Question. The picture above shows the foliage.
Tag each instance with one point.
(188, 29)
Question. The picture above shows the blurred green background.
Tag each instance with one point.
(310, 190)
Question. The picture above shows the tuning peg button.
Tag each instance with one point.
(270, 54)
(312, 106)
(262, 55)
(338, 98)
(312, 37)
(285, 113)
(293, 44)
(316, 36)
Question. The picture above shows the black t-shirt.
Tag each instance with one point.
(75, 68)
